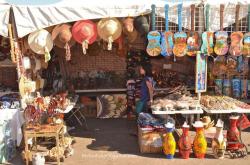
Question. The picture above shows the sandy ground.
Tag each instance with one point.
(109, 142)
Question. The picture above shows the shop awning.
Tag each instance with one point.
(33, 14)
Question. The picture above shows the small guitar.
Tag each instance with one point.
(246, 46)
(180, 38)
(236, 37)
(207, 37)
(193, 37)
(221, 46)
(167, 43)
(154, 46)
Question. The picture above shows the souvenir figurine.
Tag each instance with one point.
(219, 142)
(184, 142)
(200, 143)
(169, 144)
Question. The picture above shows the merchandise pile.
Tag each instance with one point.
(149, 123)
(178, 99)
(10, 101)
(222, 103)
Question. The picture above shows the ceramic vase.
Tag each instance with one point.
(200, 143)
(219, 142)
(185, 143)
(233, 134)
(169, 144)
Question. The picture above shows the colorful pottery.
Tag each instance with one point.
(244, 88)
(169, 144)
(184, 143)
(200, 143)
(236, 87)
(233, 134)
(219, 142)
(227, 87)
(218, 86)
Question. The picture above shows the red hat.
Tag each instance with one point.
(84, 32)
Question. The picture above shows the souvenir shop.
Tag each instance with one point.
(59, 69)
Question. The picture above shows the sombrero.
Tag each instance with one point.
(62, 38)
(41, 42)
(85, 33)
(109, 29)
(141, 24)
(129, 30)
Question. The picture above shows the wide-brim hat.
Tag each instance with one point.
(128, 25)
(62, 35)
(109, 28)
(39, 41)
(84, 30)
(141, 24)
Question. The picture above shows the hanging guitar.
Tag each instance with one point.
(167, 43)
(193, 37)
(154, 46)
(236, 37)
(246, 46)
(180, 38)
(207, 37)
(221, 46)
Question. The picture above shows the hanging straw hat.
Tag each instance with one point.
(141, 25)
(85, 33)
(41, 42)
(62, 38)
(129, 30)
(109, 29)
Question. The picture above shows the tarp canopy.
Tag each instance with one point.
(33, 14)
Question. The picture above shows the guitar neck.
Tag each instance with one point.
(166, 17)
(179, 17)
(221, 16)
(201, 20)
(237, 17)
(153, 17)
(207, 17)
(192, 17)
(249, 17)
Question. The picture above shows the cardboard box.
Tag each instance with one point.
(150, 142)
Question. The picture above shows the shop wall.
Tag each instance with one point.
(95, 59)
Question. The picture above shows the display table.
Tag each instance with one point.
(228, 111)
(43, 131)
(186, 113)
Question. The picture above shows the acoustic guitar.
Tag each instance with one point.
(236, 37)
(167, 42)
(221, 46)
(180, 38)
(154, 46)
(207, 37)
(193, 37)
(246, 46)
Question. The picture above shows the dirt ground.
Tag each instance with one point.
(109, 142)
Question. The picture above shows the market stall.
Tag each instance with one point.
(80, 61)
